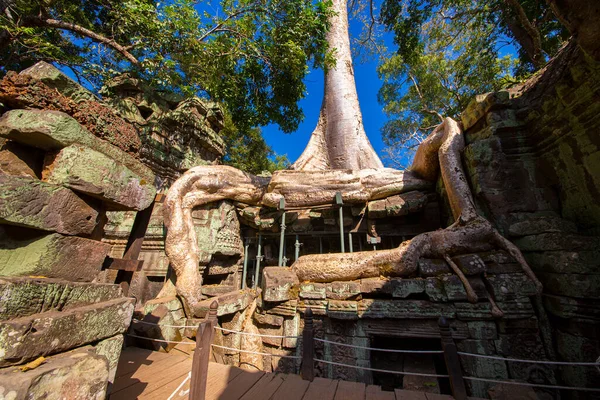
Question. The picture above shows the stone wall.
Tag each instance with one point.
(69, 163)
(533, 156)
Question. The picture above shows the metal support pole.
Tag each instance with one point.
(297, 246)
(320, 245)
(339, 202)
(282, 235)
(259, 258)
(245, 271)
(350, 242)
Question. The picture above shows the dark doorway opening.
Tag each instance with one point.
(405, 362)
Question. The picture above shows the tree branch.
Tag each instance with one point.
(536, 52)
(53, 23)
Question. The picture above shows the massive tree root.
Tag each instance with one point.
(440, 152)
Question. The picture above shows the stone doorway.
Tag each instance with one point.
(417, 363)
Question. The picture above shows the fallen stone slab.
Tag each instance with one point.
(35, 204)
(111, 349)
(277, 282)
(24, 339)
(54, 130)
(79, 374)
(19, 160)
(27, 296)
(88, 171)
(54, 256)
(55, 79)
(228, 303)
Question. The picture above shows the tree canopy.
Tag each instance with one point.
(450, 50)
(251, 55)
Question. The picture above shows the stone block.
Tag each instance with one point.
(318, 307)
(91, 172)
(402, 288)
(53, 256)
(22, 297)
(375, 285)
(482, 330)
(563, 262)
(557, 241)
(26, 338)
(78, 374)
(469, 264)
(455, 289)
(432, 267)
(19, 160)
(111, 349)
(291, 327)
(541, 224)
(481, 104)
(567, 307)
(53, 130)
(162, 314)
(510, 286)
(55, 79)
(481, 367)
(341, 309)
(434, 289)
(228, 303)
(398, 205)
(374, 308)
(312, 291)
(286, 309)
(34, 204)
(572, 285)
(342, 290)
(270, 340)
(277, 283)
(267, 319)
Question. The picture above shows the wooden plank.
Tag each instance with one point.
(374, 392)
(292, 388)
(238, 386)
(264, 388)
(122, 264)
(159, 378)
(322, 389)
(219, 376)
(408, 395)
(146, 372)
(350, 391)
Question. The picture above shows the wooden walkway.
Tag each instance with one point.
(150, 375)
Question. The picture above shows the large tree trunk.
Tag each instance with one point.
(339, 141)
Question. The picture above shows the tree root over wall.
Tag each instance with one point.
(439, 153)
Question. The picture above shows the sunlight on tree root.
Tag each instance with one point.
(439, 153)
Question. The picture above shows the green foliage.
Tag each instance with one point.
(252, 55)
(246, 150)
(448, 51)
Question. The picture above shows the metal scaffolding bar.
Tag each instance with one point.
(340, 203)
(282, 234)
(259, 258)
(245, 271)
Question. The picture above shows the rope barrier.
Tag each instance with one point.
(159, 340)
(187, 378)
(254, 352)
(379, 349)
(382, 370)
(532, 384)
(137, 321)
(585, 364)
(258, 334)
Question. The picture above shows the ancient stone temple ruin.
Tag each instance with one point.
(117, 208)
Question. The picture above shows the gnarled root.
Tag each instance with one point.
(470, 233)
(198, 186)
